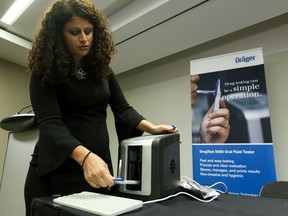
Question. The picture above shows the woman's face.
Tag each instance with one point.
(194, 87)
(78, 34)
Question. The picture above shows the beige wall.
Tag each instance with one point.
(13, 96)
(277, 77)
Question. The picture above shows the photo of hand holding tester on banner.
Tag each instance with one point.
(214, 127)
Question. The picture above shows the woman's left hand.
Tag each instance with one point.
(148, 127)
(164, 129)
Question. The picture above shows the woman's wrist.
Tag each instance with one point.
(83, 161)
(79, 154)
(146, 126)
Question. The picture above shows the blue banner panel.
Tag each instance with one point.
(244, 168)
(231, 130)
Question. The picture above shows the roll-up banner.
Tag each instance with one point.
(231, 130)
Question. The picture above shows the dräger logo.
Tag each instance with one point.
(245, 59)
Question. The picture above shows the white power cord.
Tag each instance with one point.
(195, 190)
(177, 194)
(207, 191)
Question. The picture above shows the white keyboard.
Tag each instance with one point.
(99, 204)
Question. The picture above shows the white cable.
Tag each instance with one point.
(187, 179)
(211, 186)
(217, 183)
(180, 193)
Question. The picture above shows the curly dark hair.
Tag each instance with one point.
(49, 56)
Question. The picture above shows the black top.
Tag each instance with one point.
(75, 114)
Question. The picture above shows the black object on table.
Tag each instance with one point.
(226, 204)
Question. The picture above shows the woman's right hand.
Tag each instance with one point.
(96, 172)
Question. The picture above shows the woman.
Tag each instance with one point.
(71, 86)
